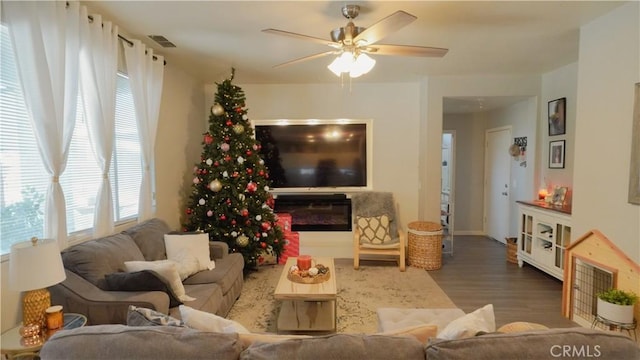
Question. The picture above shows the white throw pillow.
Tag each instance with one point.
(204, 321)
(469, 325)
(180, 248)
(165, 268)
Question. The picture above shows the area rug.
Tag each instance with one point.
(360, 293)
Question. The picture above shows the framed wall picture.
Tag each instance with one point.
(556, 154)
(557, 116)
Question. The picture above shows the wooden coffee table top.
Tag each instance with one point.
(289, 290)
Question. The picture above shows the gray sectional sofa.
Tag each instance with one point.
(168, 342)
(86, 291)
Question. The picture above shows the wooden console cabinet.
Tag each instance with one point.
(544, 231)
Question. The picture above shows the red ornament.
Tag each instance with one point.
(216, 163)
(275, 241)
(233, 222)
(227, 158)
(270, 202)
(226, 138)
(229, 201)
(266, 226)
(223, 217)
(244, 212)
(239, 110)
(249, 171)
(261, 172)
(204, 171)
(248, 222)
(257, 235)
(229, 123)
(188, 211)
(235, 174)
(249, 153)
(263, 244)
(208, 139)
(252, 187)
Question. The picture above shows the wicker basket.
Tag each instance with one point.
(425, 245)
(512, 250)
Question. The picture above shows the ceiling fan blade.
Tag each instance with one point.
(306, 58)
(384, 27)
(405, 50)
(302, 37)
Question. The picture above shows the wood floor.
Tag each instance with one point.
(478, 274)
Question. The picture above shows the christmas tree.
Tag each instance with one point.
(230, 197)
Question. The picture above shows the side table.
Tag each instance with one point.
(13, 345)
(630, 327)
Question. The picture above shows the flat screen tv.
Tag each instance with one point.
(316, 154)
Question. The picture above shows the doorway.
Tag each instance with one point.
(497, 181)
(447, 186)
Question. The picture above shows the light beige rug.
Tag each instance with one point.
(360, 293)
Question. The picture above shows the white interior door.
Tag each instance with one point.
(497, 179)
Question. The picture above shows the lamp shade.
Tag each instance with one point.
(35, 265)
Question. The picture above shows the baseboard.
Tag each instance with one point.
(469, 232)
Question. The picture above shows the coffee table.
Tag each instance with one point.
(307, 307)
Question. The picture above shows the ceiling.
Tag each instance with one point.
(483, 37)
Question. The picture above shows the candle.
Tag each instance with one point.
(542, 194)
(54, 317)
(304, 262)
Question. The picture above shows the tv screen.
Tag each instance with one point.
(314, 155)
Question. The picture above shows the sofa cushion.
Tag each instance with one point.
(145, 280)
(338, 346)
(149, 236)
(225, 274)
(567, 343)
(108, 342)
(209, 298)
(94, 259)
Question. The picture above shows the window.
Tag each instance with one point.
(24, 181)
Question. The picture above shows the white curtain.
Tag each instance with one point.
(146, 77)
(46, 36)
(98, 72)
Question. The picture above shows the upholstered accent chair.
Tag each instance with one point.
(376, 228)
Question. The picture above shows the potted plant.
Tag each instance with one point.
(617, 305)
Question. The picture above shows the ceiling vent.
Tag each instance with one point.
(162, 41)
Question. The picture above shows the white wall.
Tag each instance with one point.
(469, 171)
(177, 144)
(438, 88)
(608, 69)
(394, 109)
(562, 82)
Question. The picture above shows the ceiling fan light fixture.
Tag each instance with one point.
(363, 64)
(342, 63)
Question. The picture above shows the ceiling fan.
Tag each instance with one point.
(351, 42)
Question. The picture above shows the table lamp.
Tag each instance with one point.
(33, 266)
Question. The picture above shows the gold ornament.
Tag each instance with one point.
(238, 129)
(242, 241)
(217, 109)
(215, 185)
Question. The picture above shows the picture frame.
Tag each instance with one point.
(557, 112)
(559, 194)
(556, 154)
(634, 168)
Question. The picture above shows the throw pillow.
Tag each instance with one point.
(204, 321)
(137, 316)
(145, 280)
(520, 326)
(374, 230)
(182, 248)
(167, 269)
(469, 325)
(422, 333)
